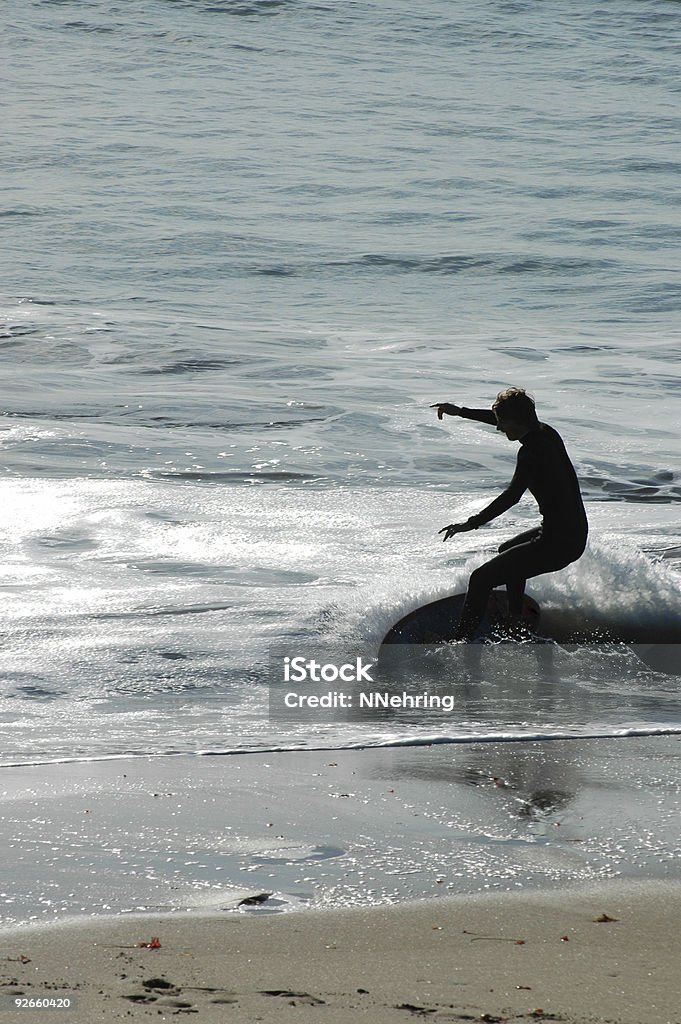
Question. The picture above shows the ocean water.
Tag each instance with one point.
(245, 245)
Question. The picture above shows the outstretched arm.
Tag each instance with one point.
(507, 499)
(481, 415)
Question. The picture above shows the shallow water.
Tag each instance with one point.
(245, 246)
(187, 835)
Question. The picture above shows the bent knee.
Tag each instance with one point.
(480, 577)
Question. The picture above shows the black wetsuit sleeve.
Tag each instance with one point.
(481, 415)
(507, 499)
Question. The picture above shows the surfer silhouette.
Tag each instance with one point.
(543, 468)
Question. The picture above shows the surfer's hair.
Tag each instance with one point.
(515, 404)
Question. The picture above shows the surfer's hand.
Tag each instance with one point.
(453, 528)
(446, 409)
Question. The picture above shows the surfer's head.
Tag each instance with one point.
(515, 413)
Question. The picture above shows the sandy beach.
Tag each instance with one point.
(447, 883)
(607, 954)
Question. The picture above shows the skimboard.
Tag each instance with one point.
(436, 622)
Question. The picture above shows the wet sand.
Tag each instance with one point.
(446, 883)
(334, 829)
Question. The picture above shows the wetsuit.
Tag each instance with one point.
(544, 468)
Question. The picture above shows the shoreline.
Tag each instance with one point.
(335, 829)
(413, 743)
(443, 883)
(525, 956)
